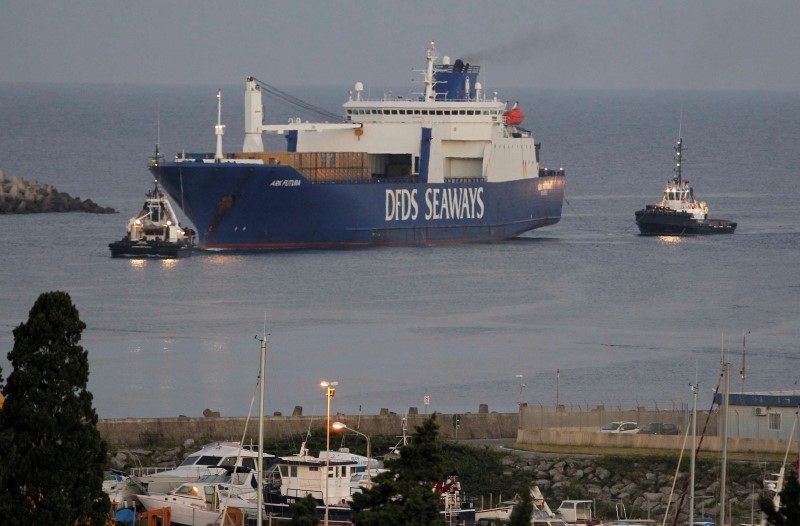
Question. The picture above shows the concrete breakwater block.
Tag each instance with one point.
(20, 196)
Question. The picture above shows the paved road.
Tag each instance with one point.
(504, 444)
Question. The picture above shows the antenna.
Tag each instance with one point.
(678, 149)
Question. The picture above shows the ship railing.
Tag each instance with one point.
(471, 180)
(151, 470)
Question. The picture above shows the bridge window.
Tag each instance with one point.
(775, 421)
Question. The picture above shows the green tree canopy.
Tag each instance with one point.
(403, 495)
(304, 511)
(523, 510)
(51, 454)
(788, 513)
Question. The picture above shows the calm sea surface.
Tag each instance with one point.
(625, 318)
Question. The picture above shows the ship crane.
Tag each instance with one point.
(254, 119)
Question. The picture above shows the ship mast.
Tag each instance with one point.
(219, 129)
(431, 58)
(678, 148)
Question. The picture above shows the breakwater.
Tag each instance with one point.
(21, 196)
(148, 432)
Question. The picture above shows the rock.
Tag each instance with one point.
(602, 473)
(653, 497)
(188, 443)
(20, 196)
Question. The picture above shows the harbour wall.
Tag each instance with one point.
(532, 426)
(141, 432)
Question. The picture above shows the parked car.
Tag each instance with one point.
(620, 427)
(658, 428)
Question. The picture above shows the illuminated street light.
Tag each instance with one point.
(340, 425)
(330, 390)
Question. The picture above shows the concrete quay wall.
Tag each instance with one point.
(141, 432)
(540, 425)
(589, 439)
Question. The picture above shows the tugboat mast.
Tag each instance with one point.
(677, 158)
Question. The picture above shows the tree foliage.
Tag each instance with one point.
(403, 495)
(788, 513)
(51, 454)
(523, 510)
(304, 511)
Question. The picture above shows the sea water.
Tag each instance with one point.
(626, 320)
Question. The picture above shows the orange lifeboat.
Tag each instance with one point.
(514, 116)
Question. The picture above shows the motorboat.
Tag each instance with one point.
(212, 459)
(295, 476)
(542, 515)
(204, 501)
(121, 489)
(679, 212)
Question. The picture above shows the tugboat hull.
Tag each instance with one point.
(662, 222)
(153, 249)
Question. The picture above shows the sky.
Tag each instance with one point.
(565, 44)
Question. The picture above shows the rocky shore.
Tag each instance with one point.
(642, 485)
(20, 196)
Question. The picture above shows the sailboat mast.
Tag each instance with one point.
(694, 449)
(726, 370)
(260, 500)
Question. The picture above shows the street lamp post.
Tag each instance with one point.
(340, 425)
(330, 389)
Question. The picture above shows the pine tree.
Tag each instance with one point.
(51, 454)
(788, 513)
(403, 495)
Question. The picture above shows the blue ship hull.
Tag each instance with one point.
(242, 207)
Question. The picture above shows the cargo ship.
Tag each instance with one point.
(446, 165)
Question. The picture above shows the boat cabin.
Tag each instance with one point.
(299, 475)
(575, 511)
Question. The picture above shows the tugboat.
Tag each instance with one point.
(679, 213)
(155, 231)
